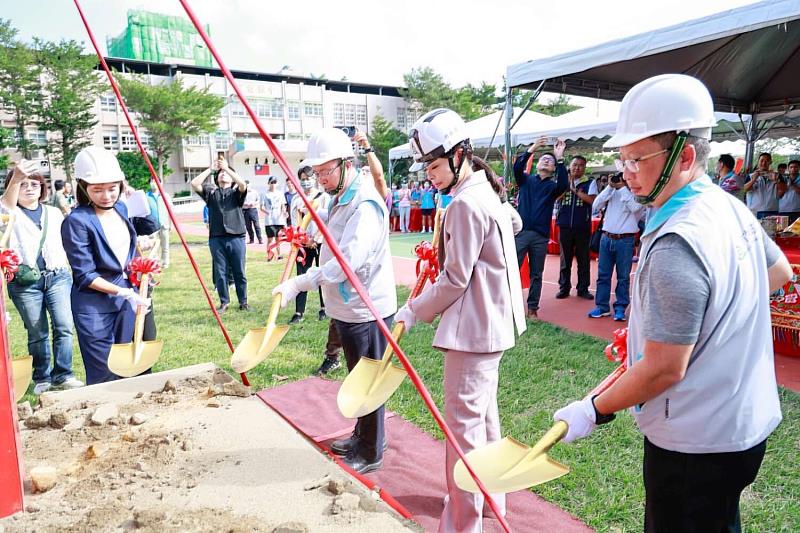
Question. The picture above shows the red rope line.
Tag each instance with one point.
(276, 153)
(158, 182)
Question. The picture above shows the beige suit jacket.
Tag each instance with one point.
(478, 293)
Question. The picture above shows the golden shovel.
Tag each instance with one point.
(22, 367)
(132, 358)
(258, 343)
(507, 465)
(371, 382)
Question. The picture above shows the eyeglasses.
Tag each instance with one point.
(633, 164)
(328, 172)
(30, 185)
(546, 159)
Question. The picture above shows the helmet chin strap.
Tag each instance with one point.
(342, 175)
(666, 173)
(455, 170)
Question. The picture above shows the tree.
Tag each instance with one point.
(5, 141)
(384, 136)
(135, 169)
(171, 112)
(66, 106)
(426, 90)
(20, 85)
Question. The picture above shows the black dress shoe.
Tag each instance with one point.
(586, 295)
(244, 307)
(222, 308)
(562, 294)
(344, 446)
(361, 465)
(322, 315)
(296, 318)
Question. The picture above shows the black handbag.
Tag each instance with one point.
(594, 242)
(29, 275)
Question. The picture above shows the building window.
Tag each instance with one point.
(406, 116)
(191, 173)
(312, 109)
(110, 140)
(128, 142)
(272, 108)
(293, 109)
(198, 140)
(349, 115)
(221, 140)
(37, 137)
(401, 118)
(108, 102)
(238, 110)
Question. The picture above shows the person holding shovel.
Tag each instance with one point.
(701, 376)
(358, 221)
(477, 294)
(100, 242)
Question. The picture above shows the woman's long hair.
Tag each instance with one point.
(478, 164)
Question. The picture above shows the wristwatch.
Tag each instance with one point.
(601, 419)
(369, 150)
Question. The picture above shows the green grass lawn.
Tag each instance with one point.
(402, 244)
(549, 367)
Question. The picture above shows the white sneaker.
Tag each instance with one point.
(71, 383)
(39, 388)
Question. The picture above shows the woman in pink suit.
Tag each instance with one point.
(477, 295)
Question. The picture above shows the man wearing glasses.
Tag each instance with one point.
(537, 195)
(359, 223)
(700, 378)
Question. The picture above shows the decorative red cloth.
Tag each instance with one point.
(617, 351)
(294, 235)
(9, 263)
(139, 266)
(784, 305)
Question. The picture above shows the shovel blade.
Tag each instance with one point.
(507, 466)
(22, 371)
(123, 360)
(256, 345)
(367, 387)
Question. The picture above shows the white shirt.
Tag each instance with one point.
(764, 195)
(117, 235)
(272, 203)
(623, 212)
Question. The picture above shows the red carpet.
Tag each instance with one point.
(413, 467)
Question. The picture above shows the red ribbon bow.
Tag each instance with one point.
(294, 235)
(139, 266)
(429, 256)
(617, 351)
(9, 263)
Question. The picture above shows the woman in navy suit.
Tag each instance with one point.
(100, 242)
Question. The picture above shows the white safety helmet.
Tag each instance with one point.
(326, 145)
(435, 134)
(96, 165)
(669, 102)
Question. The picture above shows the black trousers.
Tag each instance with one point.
(334, 345)
(251, 223)
(312, 258)
(574, 242)
(696, 492)
(365, 340)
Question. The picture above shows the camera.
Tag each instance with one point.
(616, 178)
(350, 131)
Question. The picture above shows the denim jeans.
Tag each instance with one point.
(614, 253)
(50, 295)
(533, 244)
(228, 253)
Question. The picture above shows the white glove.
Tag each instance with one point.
(580, 418)
(133, 298)
(406, 315)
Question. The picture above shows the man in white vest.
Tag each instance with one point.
(701, 378)
(358, 221)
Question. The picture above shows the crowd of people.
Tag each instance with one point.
(699, 302)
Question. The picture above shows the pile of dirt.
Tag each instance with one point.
(156, 463)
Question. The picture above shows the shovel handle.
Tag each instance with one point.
(608, 381)
(550, 439)
(397, 332)
(138, 327)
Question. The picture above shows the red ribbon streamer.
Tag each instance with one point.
(139, 266)
(428, 258)
(617, 351)
(9, 263)
(294, 235)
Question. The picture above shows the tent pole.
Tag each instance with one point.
(752, 135)
(507, 167)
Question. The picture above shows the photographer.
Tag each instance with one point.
(763, 188)
(620, 224)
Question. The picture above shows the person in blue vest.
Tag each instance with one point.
(700, 378)
(428, 205)
(100, 241)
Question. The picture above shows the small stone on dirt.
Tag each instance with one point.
(368, 503)
(169, 386)
(32, 508)
(139, 394)
(234, 388)
(213, 403)
(98, 449)
(46, 400)
(317, 484)
(132, 436)
(337, 486)
(104, 413)
(59, 419)
(345, 503)
(138, 419)
(24, 410)
(43, 478)
(37, 421)
(221, 377)
(186, 445)
(291, 527)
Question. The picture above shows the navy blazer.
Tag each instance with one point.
(91, 257)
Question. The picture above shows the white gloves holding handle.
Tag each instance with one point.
(133, 298)
(406, 315)
(290, 288)
(580, 417)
